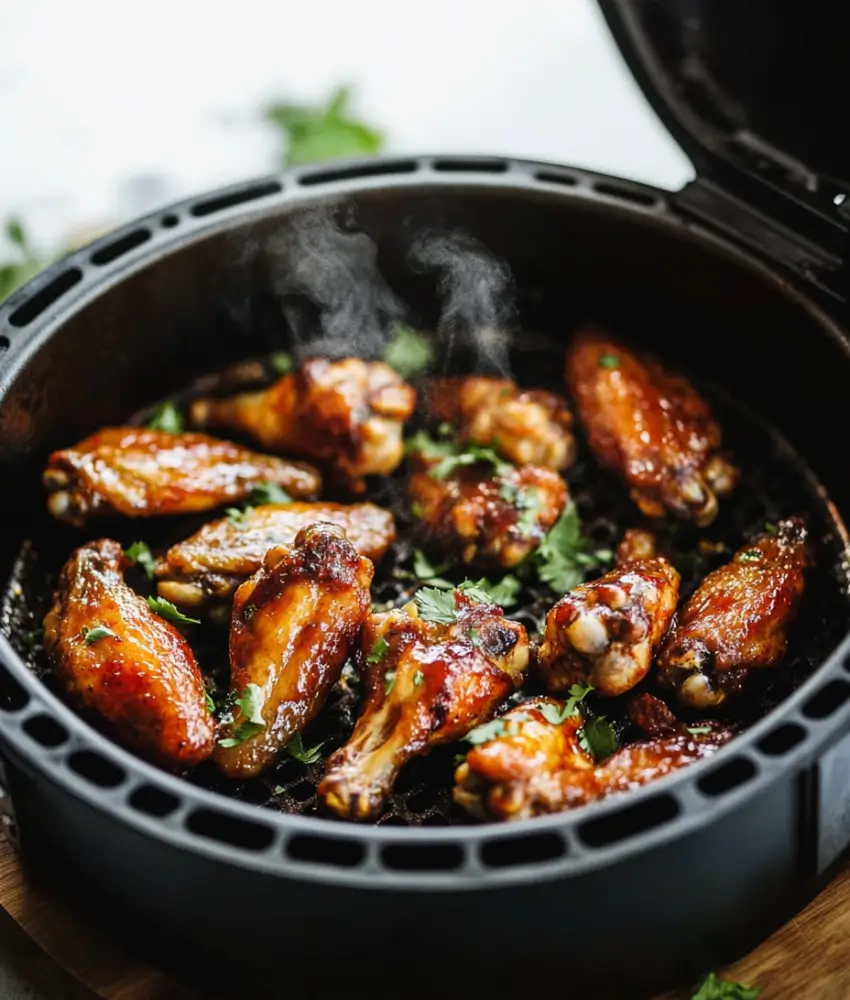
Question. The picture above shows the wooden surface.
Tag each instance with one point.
(807, 959)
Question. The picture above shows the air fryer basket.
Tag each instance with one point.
(716, 854)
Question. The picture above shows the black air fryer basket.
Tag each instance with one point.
(740, 278)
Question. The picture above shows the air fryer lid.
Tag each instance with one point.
(761, 84)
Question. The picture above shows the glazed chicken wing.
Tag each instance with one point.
(737, 620)
(523, 425)
(605, 632)
(293, 625)
(210, 565)
(489, 518)
(536, 764)
(123, 662)
(649, 426)
(347, 414)
(428, 682)
(136, 472)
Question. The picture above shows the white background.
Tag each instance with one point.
(109, 108)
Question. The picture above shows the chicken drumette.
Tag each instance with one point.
(293, 625)
(737, 620)
(429, 680)
(347, 415)
(649, 426)
(537, 765)
(210, 565)
(605, 632)
(523, 425)
(136, 472)
(490, 517)
(123, 662)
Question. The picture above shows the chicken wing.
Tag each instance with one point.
(650, 426)
(208, 566)
(737, 620)
(138, 472)
(347, 414)
(536, 765)
(293, 625)
(428, 681)
(605, 632)
(489, 517)
(523, 425)
(123, 662)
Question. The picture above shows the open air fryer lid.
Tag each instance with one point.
(758, 87)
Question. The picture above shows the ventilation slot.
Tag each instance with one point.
(629, 822)
(827, 700)
(423, 857)
(45, 731)
(169, 221)
(724, 779)
(5, 343)
(96, 769)
(625, 194)
(360, 170)
(782, 739)
(12, 696)
(532, 850)
(45, 298)
(326, 851)
(117, 248)
(239, 197)
(548, 177)
(230, 830)
(470, 166)
(153, 801)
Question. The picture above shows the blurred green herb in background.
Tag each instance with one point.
(25, 263)
(327, 132)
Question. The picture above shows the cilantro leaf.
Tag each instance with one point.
(166, 418)
(165, 609)
(504, 592)
(250, 705)
(378, 651)
(422, 443)
(529, 506)
(424, 569)
(715, 988)
(210, 701)
(295, 748)
(91, 635)
(239, 517)
(564, 554)
(486, 732)
(281, 362)
(578, 692)
(409, 352)
(472, 454)
(598, 738)
(264, 493)
(436, 605)
(553, 714)
(389, 681)
(140, 555)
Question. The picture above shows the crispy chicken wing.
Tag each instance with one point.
(294, 622)
(523, 425)
(537, 766)
(490, 518)
(138, 472)
(347, 414)
(605, 632)
(650, 426)
(737, 620)
(120, 660)
(428, 682)
(210, 565)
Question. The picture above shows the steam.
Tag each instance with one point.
(478, 310)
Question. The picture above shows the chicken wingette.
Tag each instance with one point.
(125, 663)
(293, 625)
(208, 566)
(737, 620)
(650, 426)
(138, 472)
(433, 671)
(347, 415)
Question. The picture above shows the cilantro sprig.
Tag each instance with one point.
(249, 720)
(97, 632)
(565, 554)
(307, 755)
(165, 609)
(139, 554)
(715, 988)
(409, 352)
(166, 418)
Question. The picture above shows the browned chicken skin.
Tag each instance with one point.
(210, 565)
(488, 518)
(537, 766)
(650, 426)
(427, 683)
(347, 414)
(523, 425)
(294, 622)
(136, 472)
(140, 675)
(737, 620)
(605, 632)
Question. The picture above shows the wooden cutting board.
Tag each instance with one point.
(807, 959)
